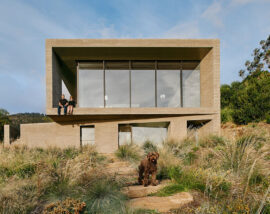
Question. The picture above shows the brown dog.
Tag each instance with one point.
(148, 166)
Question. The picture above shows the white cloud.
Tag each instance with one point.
(213, 14)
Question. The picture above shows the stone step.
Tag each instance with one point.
(161, 204)
(138, 191)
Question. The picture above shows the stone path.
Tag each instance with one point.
(139, 195)
(162, 204)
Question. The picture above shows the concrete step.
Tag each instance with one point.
(161, 204)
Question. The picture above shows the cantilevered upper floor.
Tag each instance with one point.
(112, 78)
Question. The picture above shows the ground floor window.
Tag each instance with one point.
(87, 135)
(138, 133)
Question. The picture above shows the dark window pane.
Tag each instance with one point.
(168, 65)
(117, 65)
(91, 65)
(117, 88)
(143, 88)
(91, 93)
(168, 88)
(143, 65)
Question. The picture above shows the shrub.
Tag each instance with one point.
(103, 195)
(149, 146)
(267, 117)
(68, 206)
(226, 115)
(129, 152)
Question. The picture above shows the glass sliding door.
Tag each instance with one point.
(117, 84)
(91, 90)
(168, 84)
(143, 84)
(191, 84)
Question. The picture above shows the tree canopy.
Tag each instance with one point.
(249, 100)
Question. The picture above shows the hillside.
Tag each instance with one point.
(227, 174)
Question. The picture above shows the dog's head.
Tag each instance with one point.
(152, 157)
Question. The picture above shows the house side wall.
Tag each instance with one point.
(53, 134)
(45, 135)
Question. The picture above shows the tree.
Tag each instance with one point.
(4, 119)
(249, 100)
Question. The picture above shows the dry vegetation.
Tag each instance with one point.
(228, 174)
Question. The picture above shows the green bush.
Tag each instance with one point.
(169, 172)
(22, 171)
(226, 115)
(268, 118)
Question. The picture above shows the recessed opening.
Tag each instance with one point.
(87, 135)
(196, 128)
(138, 133)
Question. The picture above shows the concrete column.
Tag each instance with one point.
(6, 135)
(177, 129)
(106, 137)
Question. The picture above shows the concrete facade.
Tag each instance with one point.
(62, 56)
(6, 135)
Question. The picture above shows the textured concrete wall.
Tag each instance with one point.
(106, 137)
(56, 81)
(46, 135)
(106, 133)
(6, 135)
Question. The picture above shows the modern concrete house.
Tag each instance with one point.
(129, 90)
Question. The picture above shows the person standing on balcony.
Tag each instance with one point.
(71, 105)
(63, 103)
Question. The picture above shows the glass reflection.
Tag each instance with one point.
(168, 88)
(142, 88)
(117, 88)
(191, 88)
(91, 92)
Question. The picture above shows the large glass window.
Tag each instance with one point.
(117, 84)
(139, 84)
(143, 88)
(143, 84)
(191, 84)
(168, 84)
(91, 92)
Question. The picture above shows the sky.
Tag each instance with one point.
(25, 24)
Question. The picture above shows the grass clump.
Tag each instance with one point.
(129, 152)
(149, 146)
(212, 141)
(102, 194)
